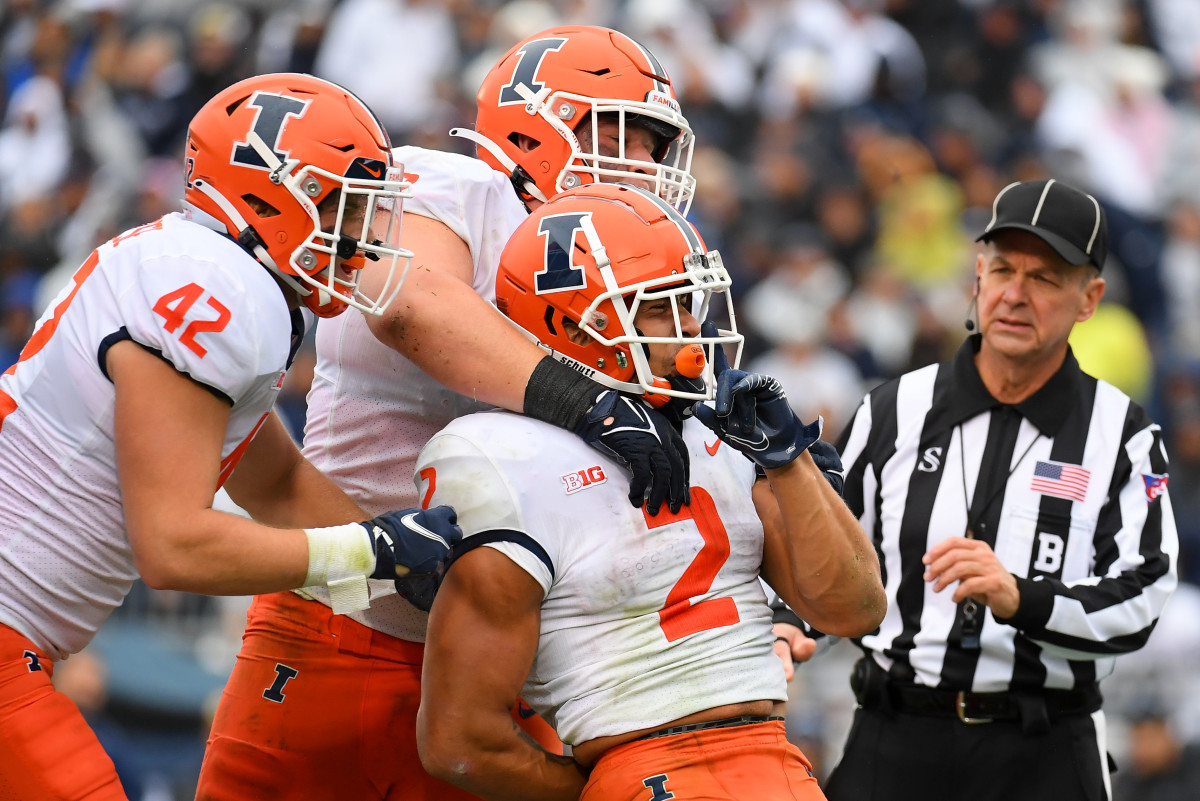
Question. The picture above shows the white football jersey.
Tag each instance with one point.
(645, 619)
(182, 291)
(370, 409)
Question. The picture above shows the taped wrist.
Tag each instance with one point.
(558, 395)
(341, 558)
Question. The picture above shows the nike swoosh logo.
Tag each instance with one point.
(411, 524)
(525, 711)
(374, 173)
(712, 449)
(642, 415)
(754, 445)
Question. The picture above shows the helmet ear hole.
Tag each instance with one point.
(260, 207)
(524, 142)
(574, 333)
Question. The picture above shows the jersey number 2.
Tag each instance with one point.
(679, 617)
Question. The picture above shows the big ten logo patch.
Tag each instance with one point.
(582, 479)
(657, 785)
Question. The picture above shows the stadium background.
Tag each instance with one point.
(848, 150)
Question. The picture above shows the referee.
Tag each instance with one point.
(1020, 511)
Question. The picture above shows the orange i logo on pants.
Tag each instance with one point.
(321, 706)
(746, 761)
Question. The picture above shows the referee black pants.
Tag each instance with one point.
(896, 756)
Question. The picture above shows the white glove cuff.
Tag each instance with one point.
(341, 557)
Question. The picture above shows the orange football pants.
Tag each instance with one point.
(47, 750)
(320, 706)
(742, 763)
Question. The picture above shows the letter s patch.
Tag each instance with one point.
(931, 461)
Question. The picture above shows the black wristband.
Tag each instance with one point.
(558, 395)
(781, 614)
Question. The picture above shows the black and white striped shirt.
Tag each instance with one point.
(1069, 489)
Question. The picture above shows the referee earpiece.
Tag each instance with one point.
(968, 323)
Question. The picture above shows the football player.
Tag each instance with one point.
(646, 641)
(149, 383)
(566, 107)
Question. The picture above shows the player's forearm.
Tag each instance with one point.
(492, 758)
(832, 570)
(440, 324)
(279, 487)
(303, 498)
(215, 553)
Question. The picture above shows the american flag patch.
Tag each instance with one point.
(1155, 485)
(1068, 481)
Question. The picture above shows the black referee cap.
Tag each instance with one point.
(1068, 220)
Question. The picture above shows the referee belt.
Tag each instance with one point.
(971, 707)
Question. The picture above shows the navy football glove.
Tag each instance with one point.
(621, 426)
(642, 439)
(752, 414)
(411, 549)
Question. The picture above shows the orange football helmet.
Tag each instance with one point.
(299, 171)
(547, 86)
(593, 255)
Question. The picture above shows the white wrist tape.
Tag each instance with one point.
(341, 558)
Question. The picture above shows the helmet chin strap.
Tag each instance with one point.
(248, 238)
(516, 172)
(520, 178)
(281, 171)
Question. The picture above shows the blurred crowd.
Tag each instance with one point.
(848, 152)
